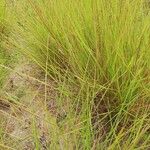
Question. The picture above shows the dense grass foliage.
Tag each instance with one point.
(98, 52)
(85, 36)
(2, 28)
(7, 54)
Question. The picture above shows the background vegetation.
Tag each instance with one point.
(97, 55)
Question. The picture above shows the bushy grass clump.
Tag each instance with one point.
(99, 54)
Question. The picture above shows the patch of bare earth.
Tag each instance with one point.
(24, 107)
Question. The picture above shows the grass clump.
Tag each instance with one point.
(98, 53)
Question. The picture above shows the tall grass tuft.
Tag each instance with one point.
(100, 50)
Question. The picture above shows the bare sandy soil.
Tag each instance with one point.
(23, 102)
